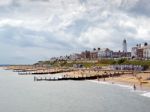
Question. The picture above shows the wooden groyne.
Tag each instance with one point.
(52, 72)
(78, 78)
(42, 72)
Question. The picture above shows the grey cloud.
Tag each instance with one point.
(83, 1)
(135, 8)
(78, 27)
(142, 7)
(25, 38)
(70, 25)
(40, 0)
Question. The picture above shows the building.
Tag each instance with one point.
(134, 52)
(94, 55)
(141, 51)
(124, 45)
(75, 56)
(124, 53)
(146, 53)
(120, 54)
(105, 53)
(85, 55)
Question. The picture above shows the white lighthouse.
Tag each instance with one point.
(124, 45)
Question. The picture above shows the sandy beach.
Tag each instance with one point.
(140, 80)
(143, 84)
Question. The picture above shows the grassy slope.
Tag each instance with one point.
(96, 63)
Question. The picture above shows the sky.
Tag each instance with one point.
(33, 30)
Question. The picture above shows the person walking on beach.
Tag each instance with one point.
(98, 79)
(134, 87)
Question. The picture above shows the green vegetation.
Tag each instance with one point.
(121, 61)
(85, 64)
(106, 62)
(103, 62)
(138, 62)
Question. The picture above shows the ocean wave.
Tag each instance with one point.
(124, 86)
(140, 92)
(112, 83)
(146, 94)
(100, 82)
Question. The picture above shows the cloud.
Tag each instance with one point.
(5, 2)
(141, 8)
(58, 27)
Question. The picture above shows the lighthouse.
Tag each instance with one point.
(124, 45)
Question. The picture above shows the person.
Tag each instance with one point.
(98, 78)
(134, 87)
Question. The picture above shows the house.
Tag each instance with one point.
(85, 55)
(120, 54)
(141, 51)
(94, 55)
(105, 53)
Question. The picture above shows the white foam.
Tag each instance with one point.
(146, 94)
(124, 86)
(100, 82)
(140, 92)
(111, 83)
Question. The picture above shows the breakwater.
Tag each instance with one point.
(43, 72)
(78, 78)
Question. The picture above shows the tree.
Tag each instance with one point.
(121, 61)
(99, 49)
(94, 49)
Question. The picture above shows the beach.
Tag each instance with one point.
(142, 84)
(140, 79)
(127, 79)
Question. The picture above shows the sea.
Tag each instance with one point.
(4, 65)
(20, 93)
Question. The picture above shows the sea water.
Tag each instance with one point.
(21, 94)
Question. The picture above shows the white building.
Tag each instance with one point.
(146, 52)
(75, 56)
(124, 45)
(141, 51)
(105, 53)
(134, 52)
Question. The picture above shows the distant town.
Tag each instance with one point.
(99, 64)
(138, 52)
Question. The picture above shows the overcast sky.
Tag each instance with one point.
(32, 30)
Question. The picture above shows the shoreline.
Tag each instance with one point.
(126, 84)
(124, 79)
(144, 91)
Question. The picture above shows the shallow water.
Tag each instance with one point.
(22, 94)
